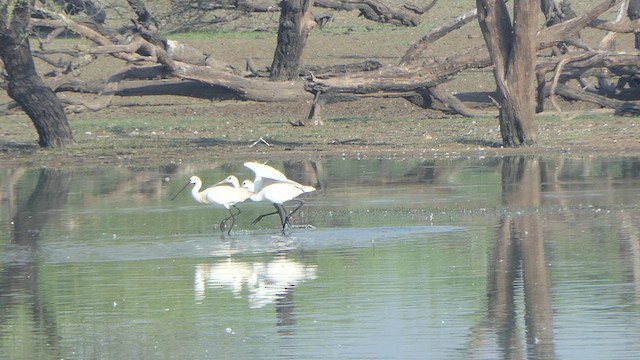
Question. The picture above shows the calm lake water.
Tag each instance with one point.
(495, 258)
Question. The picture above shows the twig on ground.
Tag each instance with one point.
(260, 140)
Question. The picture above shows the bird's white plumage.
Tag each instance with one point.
(266, 175)
(224, 195)
(269, 185)
(265, 171)
(227, 195)
(276, 193)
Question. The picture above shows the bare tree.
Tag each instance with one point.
(24, 85)
(188, 15)
(512, 47)
(295, 24)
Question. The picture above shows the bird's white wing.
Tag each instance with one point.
(305, 188)
(266, 175)
(265, 171)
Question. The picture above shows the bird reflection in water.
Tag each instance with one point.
(266, 281)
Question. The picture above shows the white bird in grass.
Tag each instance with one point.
(227, 196)
(273, 186)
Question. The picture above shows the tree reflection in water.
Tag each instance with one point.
(518, 268)
(19, 283)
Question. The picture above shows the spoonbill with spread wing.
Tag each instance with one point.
(273, 186)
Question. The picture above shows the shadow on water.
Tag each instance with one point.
(19, 278)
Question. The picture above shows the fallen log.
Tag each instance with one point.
(246, 89)
(620, 107)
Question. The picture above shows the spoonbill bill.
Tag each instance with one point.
(273, 186)
(224, 195)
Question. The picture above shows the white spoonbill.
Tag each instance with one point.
(278, 193)
(227, 196)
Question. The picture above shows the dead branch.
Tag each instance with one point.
(323, 72)
(567, 30)
(624, 26)
(90, 34)
(621, 107)
(374, 10)
(393, 79)
(420, 47)
(420, 10)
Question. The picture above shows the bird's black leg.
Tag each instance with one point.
(263, 215)
(232, 216)
(288, 218)
(282, 211)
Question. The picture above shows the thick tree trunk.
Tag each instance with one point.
(513, 53)
(24, 84)
(295, 24)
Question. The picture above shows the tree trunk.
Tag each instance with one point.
(633, 11)
(295, 24)
(24, 84)
(513, 53)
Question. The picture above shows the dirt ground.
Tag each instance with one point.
(371, 128)
(163, 129)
